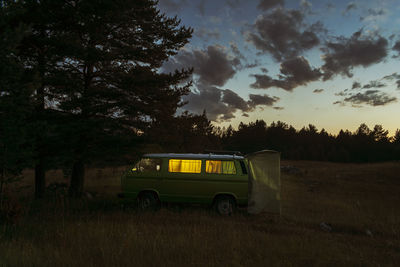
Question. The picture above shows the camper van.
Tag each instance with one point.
(222, 180)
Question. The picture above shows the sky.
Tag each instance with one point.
(333, 64)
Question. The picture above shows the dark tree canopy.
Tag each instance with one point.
(111, 52)
(98, 81)
(15, 91)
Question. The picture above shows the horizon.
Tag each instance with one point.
(371, 127)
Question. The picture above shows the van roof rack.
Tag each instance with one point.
(223, 152)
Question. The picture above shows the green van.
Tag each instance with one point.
(221, 180)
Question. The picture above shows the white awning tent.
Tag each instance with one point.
(264, 182)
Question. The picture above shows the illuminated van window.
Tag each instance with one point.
(218, 166)
(213, 166)
(184, 165)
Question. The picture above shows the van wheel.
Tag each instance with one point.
(225, 205)
(148, 201)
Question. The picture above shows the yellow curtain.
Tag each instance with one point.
(228, 167)
(184, 165)
(213, 166)
(218, 166)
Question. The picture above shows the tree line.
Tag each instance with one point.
(363, 145)
(197, 134)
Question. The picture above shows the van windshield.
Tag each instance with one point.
(148, 165)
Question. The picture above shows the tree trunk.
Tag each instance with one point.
(40, 174)
(78, 167)
(40, 179)
(77, 179)
(1, 187)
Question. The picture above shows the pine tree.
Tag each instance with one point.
(396, 137)
(109, 79)
(39, 57)
(15, 91)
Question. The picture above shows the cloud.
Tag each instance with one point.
(356, 85)
(329, 6)
(221, 104)
(235, 3)
(293, 73)
(244, 61)
(298, 70)
(212, 68)
(344, 54)
(350, 6)
(208, 98)
(215, 19)
(394, 76)
(213, 65)
(374, 14)
(377, 83)
(305, 4)
(258, 100)
(264, 81)
(306, 7)
(369, 85)
(283, 34)
(342, 93)
(206, 33)
(396, 48)
(252, 65)
(172, 6)
(374, 84)
(318, 91)
(369, 97)
(236, 50)
(268, 4)
(234, 100)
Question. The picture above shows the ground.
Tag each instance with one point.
(332, 214)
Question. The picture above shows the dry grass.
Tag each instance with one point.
(358, 201)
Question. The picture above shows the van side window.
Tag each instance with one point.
(244, 170)
(184, 165)
(218, 166)
(148, 165)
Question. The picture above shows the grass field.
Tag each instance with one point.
(332, 215)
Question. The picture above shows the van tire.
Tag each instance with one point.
(225, 205)
(148, 201)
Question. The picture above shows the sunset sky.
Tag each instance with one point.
(334, 64)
